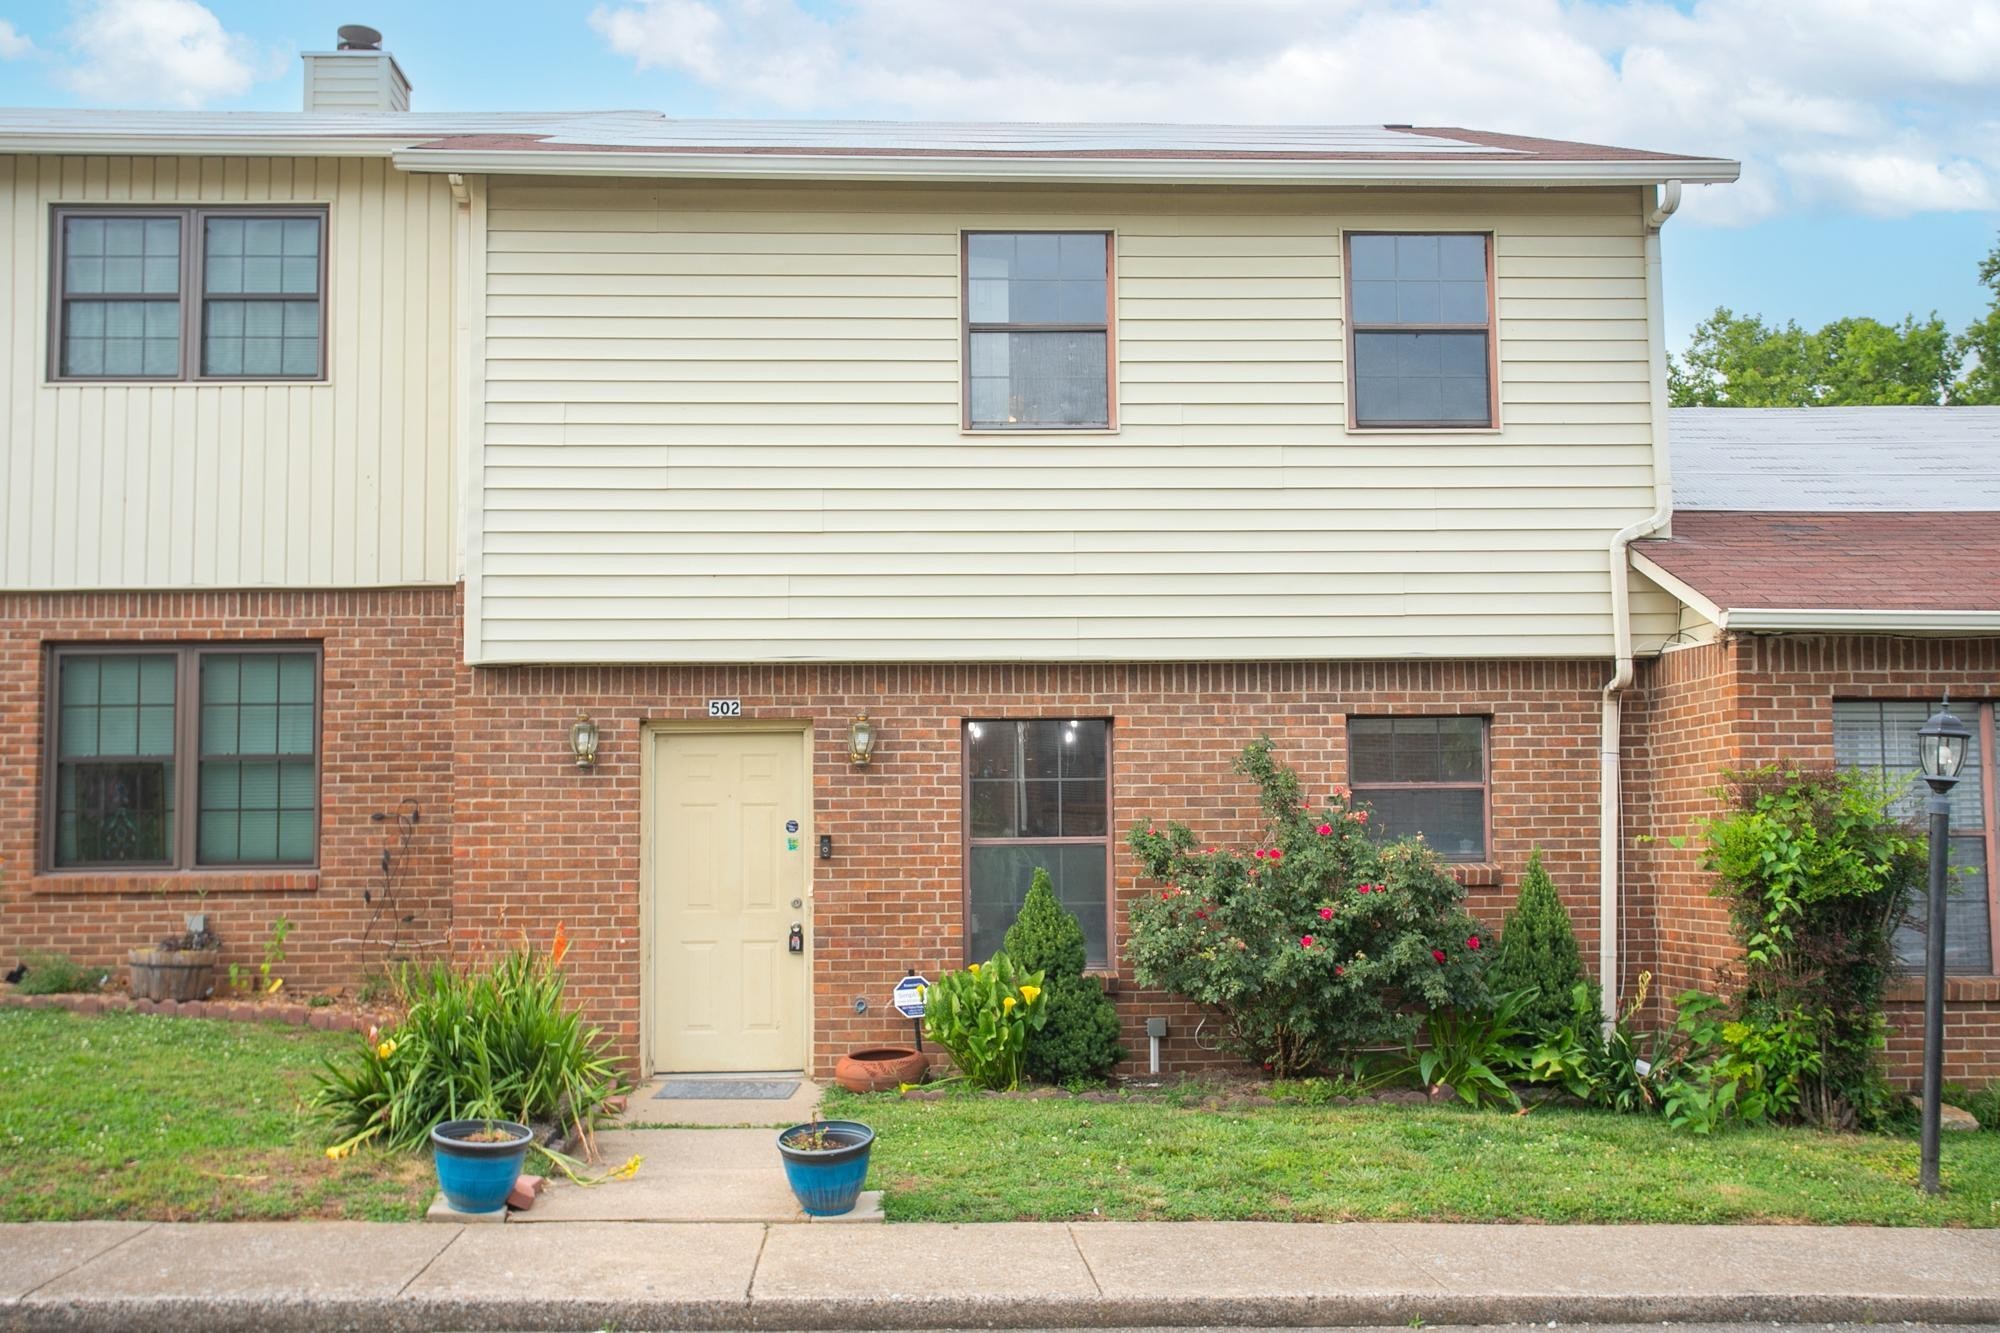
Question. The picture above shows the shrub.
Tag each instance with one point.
(1312, 946)
(55, 974)
(1473, 1051)
(1605, 1068)
(496, 1044)
(1078, 1039)
(1818, 874)
(1537, 953)
(984, 1016)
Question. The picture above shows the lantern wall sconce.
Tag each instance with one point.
(583, 741)
(861, 740)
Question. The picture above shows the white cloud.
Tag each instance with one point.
(13, 42)
(1864, 104)
(160, 52)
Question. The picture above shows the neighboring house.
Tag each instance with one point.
(1839, 574)
(353, 456)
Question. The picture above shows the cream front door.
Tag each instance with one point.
(728, 883)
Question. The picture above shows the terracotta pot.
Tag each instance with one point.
(880, 1069)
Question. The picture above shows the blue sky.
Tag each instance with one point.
(1870, 132)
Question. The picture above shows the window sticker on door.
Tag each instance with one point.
(791, 844)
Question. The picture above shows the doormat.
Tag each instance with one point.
(727, 1089)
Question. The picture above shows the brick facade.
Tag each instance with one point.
(515, 838)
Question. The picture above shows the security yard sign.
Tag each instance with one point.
(908, 997)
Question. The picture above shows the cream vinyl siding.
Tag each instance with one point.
(147, 485)
(722, 424)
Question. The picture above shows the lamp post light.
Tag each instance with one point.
(1941, 747)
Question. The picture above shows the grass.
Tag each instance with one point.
(975, 1159)
(135, 1116)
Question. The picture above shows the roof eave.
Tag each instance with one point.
(1504, 171)
(1831, 619)
(163, 145)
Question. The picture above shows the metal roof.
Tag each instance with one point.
(1836, 459)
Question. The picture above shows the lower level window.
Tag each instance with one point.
(1423, 775)
(174, 757)
(1880, 736)
(1037, 797)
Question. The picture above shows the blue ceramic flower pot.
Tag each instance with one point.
(826, 1181)
(476, 1177)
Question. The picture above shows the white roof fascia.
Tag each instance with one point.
(1872, 621)
(1506, 171)
(160, 145)
(1677, 586)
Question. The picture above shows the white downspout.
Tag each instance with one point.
(1610, 748)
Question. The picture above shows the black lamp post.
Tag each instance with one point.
(1941, 746)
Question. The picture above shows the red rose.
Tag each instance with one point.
(1325, 830)
(1472, 942)
(1277, 855)
(1438, 954)
(1339, 971)
(1305, 941)
(1326, 914)
(1361, 888)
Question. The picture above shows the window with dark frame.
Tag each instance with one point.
(1423, 775)
(1037, 330)
(189, 294)
(181, 757)
(1420, 321)
(1880, 736)
(1037, 795)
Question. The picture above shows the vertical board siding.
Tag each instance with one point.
(347, 483)
(722, 423)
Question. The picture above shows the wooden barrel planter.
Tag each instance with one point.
(172, 974)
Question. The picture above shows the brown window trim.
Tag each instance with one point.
(1109, 967)
(1487, 856)
(1109, 328)
(186, 760)
(191, 297)
(1491, 328)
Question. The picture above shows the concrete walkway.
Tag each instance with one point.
(689, 1175)
(296, 1275)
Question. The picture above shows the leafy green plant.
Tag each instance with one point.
(985, 1016)
(1818, 874)
(1078, 1039)
(1473, 1051)
(1537, 952)
(1317, 943)
(1604, 1068)
(1984, 1104)
(57, 974)
(490, 1045)
(274, 956)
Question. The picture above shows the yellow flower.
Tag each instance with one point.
(974, 969)
(386, 1049)
(627, 1171)
(338, 1151)
(1028, 993)
(1007, 1005)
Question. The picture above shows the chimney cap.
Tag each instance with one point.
(359, 37)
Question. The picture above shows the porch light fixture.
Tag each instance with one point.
(861, 739)
(1941, 746)
(583, 741)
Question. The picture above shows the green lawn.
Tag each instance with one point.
(131, 1116)
(976, 1159)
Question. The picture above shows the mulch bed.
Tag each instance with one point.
(342, 1015)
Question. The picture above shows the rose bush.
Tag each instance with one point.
(1313, 945)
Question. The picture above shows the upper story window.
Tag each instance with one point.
(1038, 796)
(1423, 775)
(1037, 330)
(1420, 320)
(189, 294)
(177, 757)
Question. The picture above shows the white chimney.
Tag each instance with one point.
(357, 76)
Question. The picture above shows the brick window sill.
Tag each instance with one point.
(1957, 990)
(1475, 874)
(173, 883)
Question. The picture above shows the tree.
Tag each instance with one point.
(1739, 361)
(1079, 1040)
(1538, 952)
(1980, 343)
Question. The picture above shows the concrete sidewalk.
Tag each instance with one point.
(587, 1275)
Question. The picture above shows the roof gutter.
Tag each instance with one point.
(1611, 723)
(1498, 169)
(1860, 621)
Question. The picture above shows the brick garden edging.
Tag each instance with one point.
(235, 1011)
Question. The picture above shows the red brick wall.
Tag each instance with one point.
(390, 678)
(1752, 700)
(529, 825)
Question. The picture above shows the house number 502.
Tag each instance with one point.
(725, 708)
